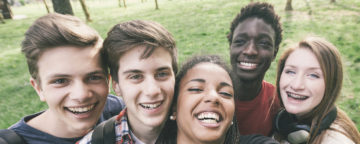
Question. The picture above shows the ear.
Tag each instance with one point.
(116, 88)
(37, 88)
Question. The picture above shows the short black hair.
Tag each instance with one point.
(264, 11)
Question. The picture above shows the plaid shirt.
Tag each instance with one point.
(121, 129)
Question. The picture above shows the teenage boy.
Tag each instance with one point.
(254, 38)
(64, 61)
(143, 62)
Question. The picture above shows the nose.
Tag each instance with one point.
(212, 97)
(297, 83)
(250, 49)
(151, 87)
(80, 91)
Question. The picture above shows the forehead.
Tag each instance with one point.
(69, 60)
(302, 57)
(132, 59)
(254, 27)
(208, 72)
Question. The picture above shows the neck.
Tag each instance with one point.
(184, 139)
(146, 134)
(248, 90)
(50, 124)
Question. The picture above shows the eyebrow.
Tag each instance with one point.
(132, 71)
(196, 80)
(311, 68)
(163, 68)
(222, 84)
(96, 72)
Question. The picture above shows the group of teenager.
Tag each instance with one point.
(205, 102)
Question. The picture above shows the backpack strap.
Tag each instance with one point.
(8, 136)
(104, 133)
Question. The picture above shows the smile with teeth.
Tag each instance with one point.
(208, 117)
(79, 110)
(297, 97)
(151, 106)
(248, 65)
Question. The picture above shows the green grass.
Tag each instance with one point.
(199, 27)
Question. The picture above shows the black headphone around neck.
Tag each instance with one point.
(297, 133)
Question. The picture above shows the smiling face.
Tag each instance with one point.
(252, 49)
(205, 106)
(302, 84)
(147, 87)
(74, 85)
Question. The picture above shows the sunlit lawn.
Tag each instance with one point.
(199, 27)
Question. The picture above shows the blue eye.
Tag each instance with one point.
(162, 74)
(290, 72)
(135, 76)
(314, 76)
(59, 81)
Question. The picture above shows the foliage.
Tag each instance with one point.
(199, 27)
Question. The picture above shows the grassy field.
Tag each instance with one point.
(199, 27)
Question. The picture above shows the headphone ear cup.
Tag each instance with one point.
(298, 137)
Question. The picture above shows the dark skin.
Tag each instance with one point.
(251, 52)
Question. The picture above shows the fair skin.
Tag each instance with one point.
(75, 88)
(205, 106)
(147, 87)
(302, 84)
(251, 52)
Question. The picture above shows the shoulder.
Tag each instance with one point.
(33, 135)
(267, 87)
(336, 135)
(256, 139)
(115, 101)
(113, 106)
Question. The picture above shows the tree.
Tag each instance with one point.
(83, 5)
(156, 5)
(46, 6)
(120, 3)
(332, 1)
(288, 6)
(5, 8)
(62, 6)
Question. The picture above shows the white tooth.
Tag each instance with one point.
(151, 106)
(81, 109)
(210, 121)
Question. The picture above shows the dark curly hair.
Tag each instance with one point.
(169, 132)
(264, 11)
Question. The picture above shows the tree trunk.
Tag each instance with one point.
(124, 3)
(5, 9)
(288, 6)
(156, 5)
(119, 3)
(46, 5)
(86, 12)
(62, 6)
(332, 1)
